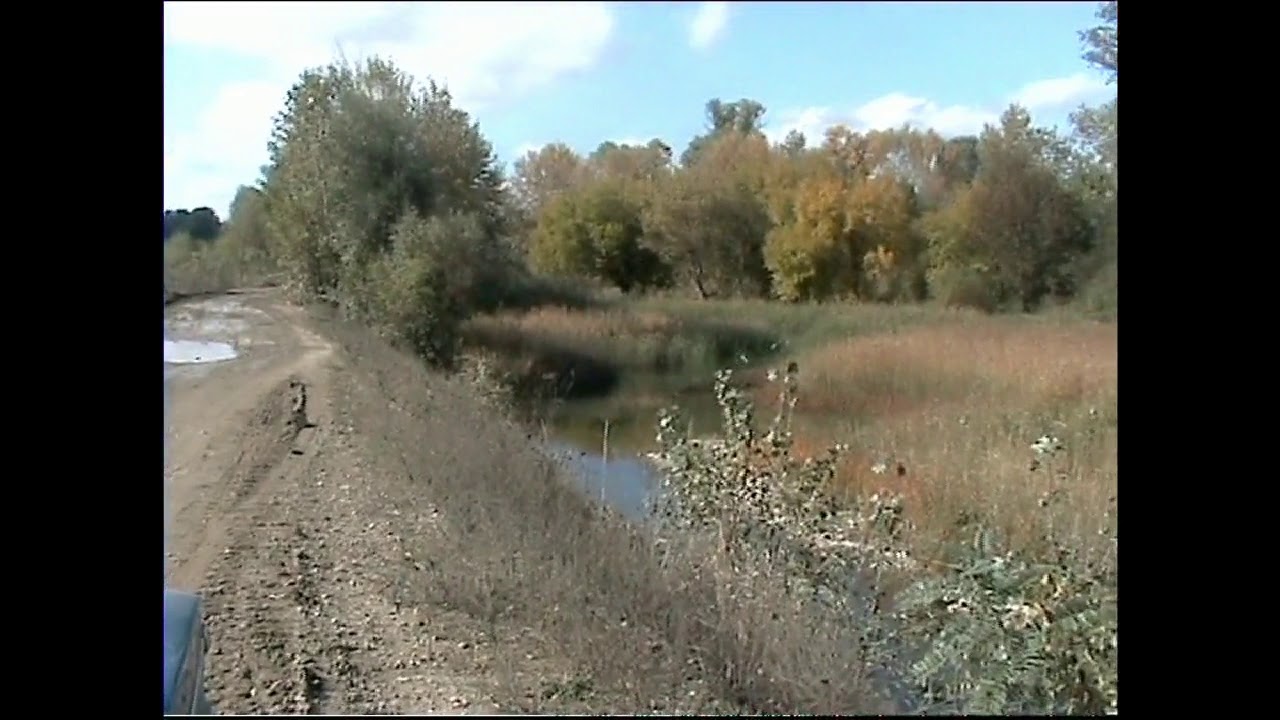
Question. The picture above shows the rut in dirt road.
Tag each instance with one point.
(295, 627)
(260, 594)
(302, 615)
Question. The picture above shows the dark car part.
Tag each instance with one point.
(185, 643)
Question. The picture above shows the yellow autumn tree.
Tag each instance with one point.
(883, 237)
(809, 252)
(784, 174)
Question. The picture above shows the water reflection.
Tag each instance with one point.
(182, 352)
(628, 484)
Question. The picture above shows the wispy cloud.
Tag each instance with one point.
(708, 24)
(896, 109)
(1061, 92)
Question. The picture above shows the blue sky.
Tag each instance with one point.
(585, 72)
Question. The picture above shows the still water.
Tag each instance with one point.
(627, 483)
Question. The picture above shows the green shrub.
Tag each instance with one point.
(407, 292)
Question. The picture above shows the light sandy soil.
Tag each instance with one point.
(296, 535)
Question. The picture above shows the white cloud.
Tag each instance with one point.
(486, 53)
(632, 141)
(896, 109)
(1063, 92)
(708, 24)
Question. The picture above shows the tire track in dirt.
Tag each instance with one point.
(281, 598)
(261, 445)
(253, 578)
(300, 572)
(258, 555)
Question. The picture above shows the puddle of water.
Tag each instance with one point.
(628, 484)
(182, 352)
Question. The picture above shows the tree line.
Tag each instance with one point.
(383, 197)
(1011, 218)
(201, 223)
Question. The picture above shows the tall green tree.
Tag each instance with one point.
(710, 219)
(743, 117)
(793, 144)
(361, 155)
(542, 175)
(201, 223)
(633, 165)
(1018, 231)
(1095, 166)
(245, 241)
(1097, 128)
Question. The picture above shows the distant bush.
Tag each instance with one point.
(964, 288)
(1100, 295)
(199, 266)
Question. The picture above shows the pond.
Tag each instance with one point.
(606, 442)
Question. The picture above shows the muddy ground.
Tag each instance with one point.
(309, 542)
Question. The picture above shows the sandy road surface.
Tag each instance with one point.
(295, 534)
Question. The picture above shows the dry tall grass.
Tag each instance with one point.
(628, 338)
(954, 398)
(946, 415)
(588, 351)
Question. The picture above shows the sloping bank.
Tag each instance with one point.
(633, 486)
(651, 629)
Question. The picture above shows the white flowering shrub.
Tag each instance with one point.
(992, 631)
(762, 501)
(486, 377)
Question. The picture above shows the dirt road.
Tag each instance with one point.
(306, 545)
